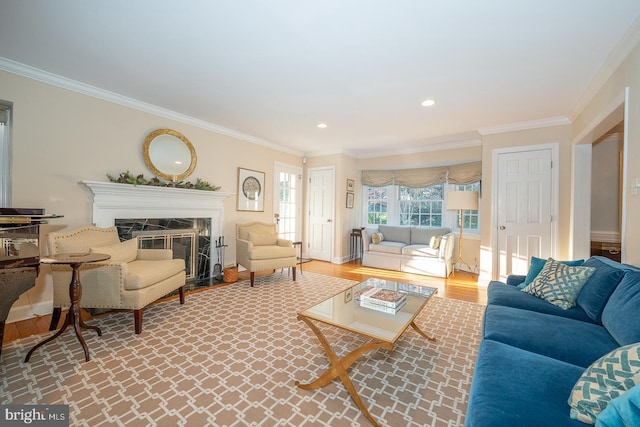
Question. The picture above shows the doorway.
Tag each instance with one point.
(525, 204)
(320, 228)
(606, 194)
(287, 187)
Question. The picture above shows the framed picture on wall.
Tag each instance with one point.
(350, 200)
(350, 185)
(250, 190)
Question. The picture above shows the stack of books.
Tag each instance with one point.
(384, 300)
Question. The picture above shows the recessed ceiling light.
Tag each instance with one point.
(428, 103)
(322, 125)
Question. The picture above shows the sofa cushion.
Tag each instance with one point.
(596, 292)
(396, 233)
(572, 341)
(500, 294)
(516, 280)
(624, 410)
(559, 284)
(419, 250)
(271, 252)
(423, 235)
(537, 264)
(514, 387)
(263, 239)
(142, 274)
(377, 237)
(620, 314)
(387, 247)
(126, 251)
(607, 378)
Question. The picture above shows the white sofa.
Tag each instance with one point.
(408, 249)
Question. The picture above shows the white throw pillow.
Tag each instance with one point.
(435, 242)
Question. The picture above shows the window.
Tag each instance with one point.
(423, 206)
(377, 205)
(470, 220)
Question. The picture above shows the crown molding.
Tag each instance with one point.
(105, 95)
(533, 124)
(439, 146)
(615, 59)
(321, 153)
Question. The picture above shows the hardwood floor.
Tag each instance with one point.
(461, 286)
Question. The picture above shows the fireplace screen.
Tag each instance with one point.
(181, 242)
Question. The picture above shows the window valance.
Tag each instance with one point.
(465, 173)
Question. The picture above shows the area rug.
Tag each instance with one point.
(231, 355)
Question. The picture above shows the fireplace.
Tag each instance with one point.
(188, 238)
(162, 216)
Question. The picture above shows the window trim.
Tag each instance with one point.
(449, 217)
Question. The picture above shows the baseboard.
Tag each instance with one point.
(24, 312)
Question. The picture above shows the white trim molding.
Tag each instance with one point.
(95, 92)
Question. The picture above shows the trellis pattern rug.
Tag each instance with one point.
(230, 357)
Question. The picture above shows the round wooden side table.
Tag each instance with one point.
(75, 291)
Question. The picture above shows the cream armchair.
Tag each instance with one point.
(132, 279)
(259, 248)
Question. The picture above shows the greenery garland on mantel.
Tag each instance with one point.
(128, 178)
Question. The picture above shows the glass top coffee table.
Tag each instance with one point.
(377, 309)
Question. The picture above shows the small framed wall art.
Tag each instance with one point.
(250, 190)
(348, 295)
(350, 185)
(350, 200)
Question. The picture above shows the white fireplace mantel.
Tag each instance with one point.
(113, 201)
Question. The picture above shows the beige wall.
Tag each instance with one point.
(605, 188)
(62, 137)
(604, 101)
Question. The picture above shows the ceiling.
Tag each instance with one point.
(270, 71)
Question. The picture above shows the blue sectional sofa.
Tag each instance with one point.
(532, 352)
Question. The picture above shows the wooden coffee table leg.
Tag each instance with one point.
(338, 368)
(421, 332)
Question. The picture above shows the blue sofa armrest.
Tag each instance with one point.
(515, 279)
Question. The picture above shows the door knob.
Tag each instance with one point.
(502, 227)
(329, 220)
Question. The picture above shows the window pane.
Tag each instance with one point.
(421, 206)
(469, 217)
(377, 205)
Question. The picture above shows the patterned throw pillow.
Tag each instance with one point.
(607, 378)
(435, 242)
(536, 265)
(559, 284)
(377, 237)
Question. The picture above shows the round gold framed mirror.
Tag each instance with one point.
(169, 155)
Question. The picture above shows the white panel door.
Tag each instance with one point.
(524, 215)
(321, 209)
